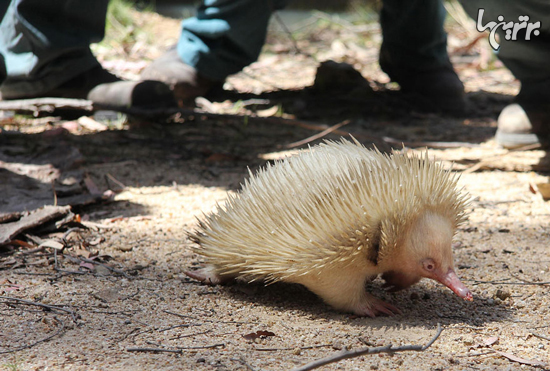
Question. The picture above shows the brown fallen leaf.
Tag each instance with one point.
(89, 266)
(490, 341)
(258, 334)
(12, 288)
(91, 124)
(272, 111)
(544, 190)
(52, 244)
(96, 241)
(22, 244)
(91, 186)
(524, 361)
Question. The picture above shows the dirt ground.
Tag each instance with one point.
(166, 174)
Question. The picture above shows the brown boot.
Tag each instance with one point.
(106, 90)
(441, 86)
(184, 80)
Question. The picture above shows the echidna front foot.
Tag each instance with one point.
(208, 275)
(372, 307)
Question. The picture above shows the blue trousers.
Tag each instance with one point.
(45, 43)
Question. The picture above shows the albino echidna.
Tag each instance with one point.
(334, 217)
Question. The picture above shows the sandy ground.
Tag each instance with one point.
(174, 172)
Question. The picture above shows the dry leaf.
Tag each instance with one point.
(490, 341)
(53, 244)
(92, 124)
(524, 361)
(258, 334)
(22, 244)
(272, 111)
(544, 190)
(96, 241)
(89, 266)
(91, 186)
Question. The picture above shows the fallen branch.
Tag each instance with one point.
(357, 353)
(176, 350)
(38, 105)
(33, 219)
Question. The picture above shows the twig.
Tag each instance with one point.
(524, 283)
(523, 280)
(178, 326)
(61, 328)
(190, 335)
(289, 34)
(540, 336)
(317, 136)
(154, 350)
(301, 348)
(49, 307)
(204, 346)
(116, 181)
(356, 353)
(54, 193)
(488, 160)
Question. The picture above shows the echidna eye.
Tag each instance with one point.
(429, 265)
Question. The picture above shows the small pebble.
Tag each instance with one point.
(468, 340)
(502, 295)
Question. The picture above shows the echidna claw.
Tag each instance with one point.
(374, 307)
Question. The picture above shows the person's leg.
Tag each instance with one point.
(46, 48)
(224, 37)
(528, 120)
(414, 51)
(45, 43)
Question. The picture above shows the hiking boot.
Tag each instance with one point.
(440, 87)
(107, 90)
(184, 80)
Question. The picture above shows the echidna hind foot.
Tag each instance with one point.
(346, 292)
(372, 306)
(209, 275)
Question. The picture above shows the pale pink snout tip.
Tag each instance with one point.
(451, 280)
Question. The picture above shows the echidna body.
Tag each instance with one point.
(334, 217)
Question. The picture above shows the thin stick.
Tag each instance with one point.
(190, 335)
(204, 346)
(318, 135)
(54, 193)
(154, 350)
(61, 328)
(117, 182)
(540, 336)
(289, 34)
(50, 307)
(356, 353)
(290, 348)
